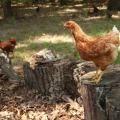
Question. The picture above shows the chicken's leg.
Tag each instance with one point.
(97, 77)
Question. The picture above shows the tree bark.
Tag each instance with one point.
(102, 101)
(113, 104)
(7, 69)
(63, 2)
(92, 108)
(50, 75)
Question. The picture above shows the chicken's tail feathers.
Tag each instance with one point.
(119, 43)
(115, 29)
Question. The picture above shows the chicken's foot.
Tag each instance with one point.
(97, 76)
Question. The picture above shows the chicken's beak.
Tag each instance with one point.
(64, 26)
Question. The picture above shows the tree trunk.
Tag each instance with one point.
(7, 9)
(112, 7)
(63, 2)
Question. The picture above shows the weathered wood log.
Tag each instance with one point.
(113, 104)
(7, 69)
(50, 75)
(102, 101)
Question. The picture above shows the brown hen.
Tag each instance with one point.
(102, 50)
(8, 46)
(12, 41)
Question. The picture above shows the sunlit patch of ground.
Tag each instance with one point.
(52, 38)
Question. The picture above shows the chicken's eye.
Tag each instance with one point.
(68, 23)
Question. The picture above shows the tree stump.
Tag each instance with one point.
(46, 77)
(49, 74)
(102, 101)
(6, 69)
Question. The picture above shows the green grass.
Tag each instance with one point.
(46, 31)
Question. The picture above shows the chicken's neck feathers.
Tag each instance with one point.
(80, 36)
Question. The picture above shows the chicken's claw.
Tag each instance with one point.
(97, 77)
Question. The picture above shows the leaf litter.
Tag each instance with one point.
(17, 102)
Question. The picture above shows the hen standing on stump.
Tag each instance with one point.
(102, 50)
